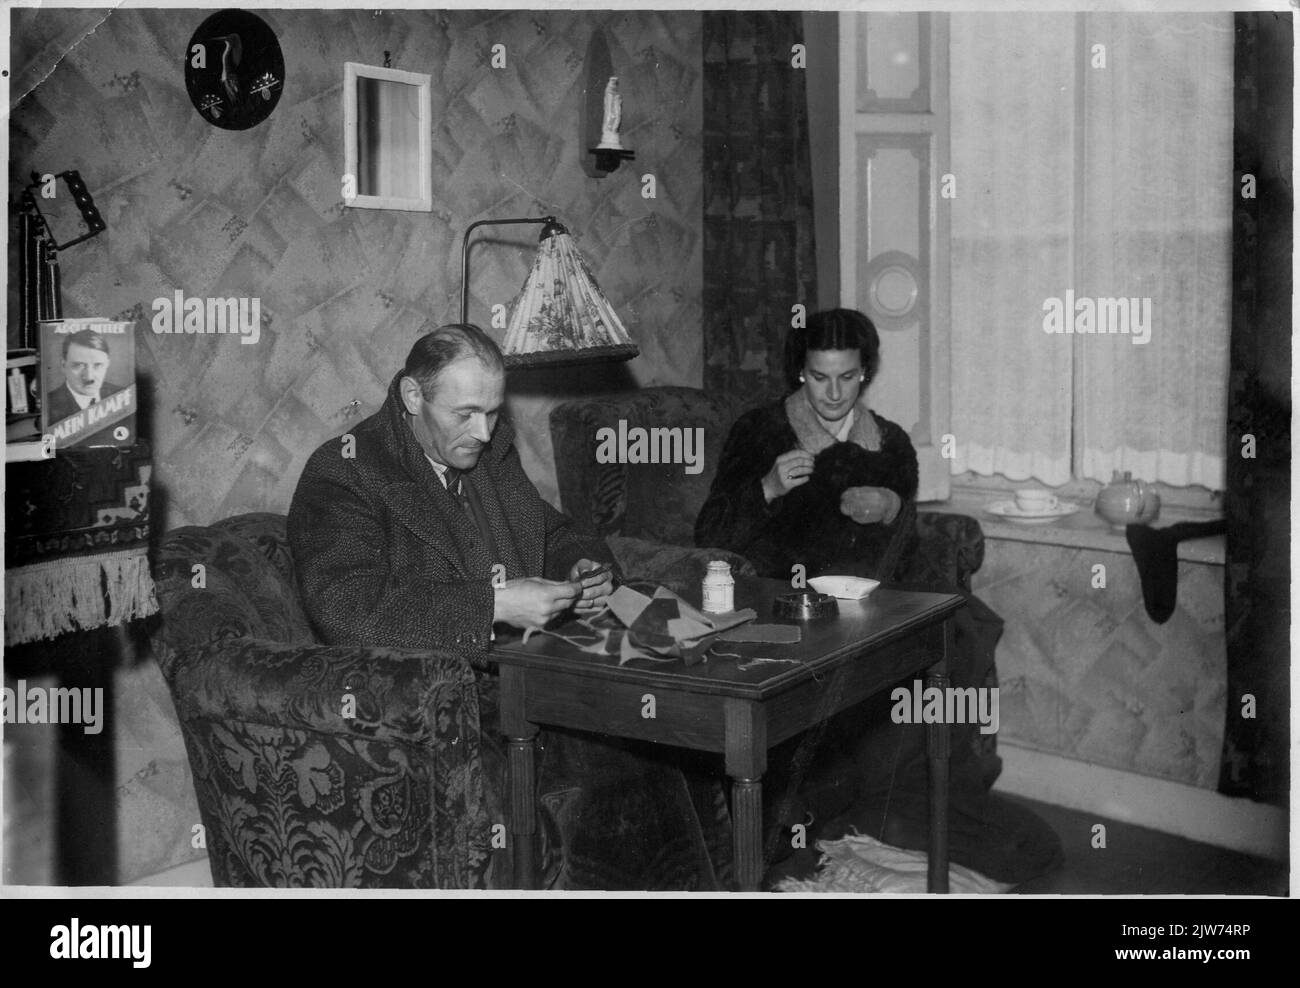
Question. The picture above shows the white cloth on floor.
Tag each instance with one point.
(858, 863)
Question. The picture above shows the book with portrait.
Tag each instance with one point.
(88, 387)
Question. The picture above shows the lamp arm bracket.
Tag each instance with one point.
(551, 226)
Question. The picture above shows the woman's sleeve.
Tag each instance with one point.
(735, 510)
(903, 479)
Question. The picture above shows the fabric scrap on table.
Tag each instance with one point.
(647, 621)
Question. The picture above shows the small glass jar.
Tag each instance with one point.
(719, 589)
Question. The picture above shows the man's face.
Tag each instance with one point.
(84, 368)
(454, 427)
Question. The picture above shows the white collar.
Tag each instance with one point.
(814, 437)
(83, 401)
(440, 468)
(843, 434)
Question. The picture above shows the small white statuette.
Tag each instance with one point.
(613, 116)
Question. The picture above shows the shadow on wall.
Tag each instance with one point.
(534, 392)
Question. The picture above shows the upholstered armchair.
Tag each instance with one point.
(314, 765)
(646, 512)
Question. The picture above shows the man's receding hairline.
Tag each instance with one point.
(431, 386)
(487, 363)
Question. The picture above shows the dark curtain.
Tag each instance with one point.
(1258, 496)
(759, 257)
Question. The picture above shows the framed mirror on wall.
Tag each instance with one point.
(387, 138)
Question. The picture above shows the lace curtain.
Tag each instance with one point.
(1011, 79)
(1157, 224)
(1106, 182)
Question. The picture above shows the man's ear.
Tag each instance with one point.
(409, 388)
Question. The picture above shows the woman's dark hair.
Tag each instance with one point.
(834, 329)
(434, 351)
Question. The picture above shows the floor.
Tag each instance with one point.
(28, 802)
(1135, 861)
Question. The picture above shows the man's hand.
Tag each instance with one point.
(597, 584)
(790, 470)
(531, 602)
(866, 505)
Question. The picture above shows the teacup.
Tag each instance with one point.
(1032, 500)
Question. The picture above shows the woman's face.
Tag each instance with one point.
(833, 379)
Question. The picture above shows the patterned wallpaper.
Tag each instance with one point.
(1084, 673)
(343, 291)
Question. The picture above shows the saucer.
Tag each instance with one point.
(844, 587)
(1009, 511)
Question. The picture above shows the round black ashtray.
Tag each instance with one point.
(804, 605)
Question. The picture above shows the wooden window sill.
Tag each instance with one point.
(1082, 530)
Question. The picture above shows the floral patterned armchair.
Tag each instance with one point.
(646, 512)
(314, 765)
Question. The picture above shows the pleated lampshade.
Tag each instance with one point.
(560, 315)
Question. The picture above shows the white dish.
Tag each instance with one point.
(1011, 512)
(844, 587)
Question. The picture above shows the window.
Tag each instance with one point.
(1072, 238)
(1091, 245)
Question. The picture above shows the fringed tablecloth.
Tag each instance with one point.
(76, 543)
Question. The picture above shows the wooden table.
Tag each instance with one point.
(740, 714)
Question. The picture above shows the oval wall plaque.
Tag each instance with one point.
(234, 70)
(893, 288)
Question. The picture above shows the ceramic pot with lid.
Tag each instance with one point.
(1125, 501)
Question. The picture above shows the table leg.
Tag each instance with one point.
(520, 758)
(523, 812)
(938, 747)
(745, 730)
(747, 805)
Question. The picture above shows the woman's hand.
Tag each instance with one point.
(866, 505)
(790, 470)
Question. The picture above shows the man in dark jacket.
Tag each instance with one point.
(420, 529)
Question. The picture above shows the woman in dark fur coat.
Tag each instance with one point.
(820, 480)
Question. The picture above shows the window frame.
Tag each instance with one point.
(934, 376)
